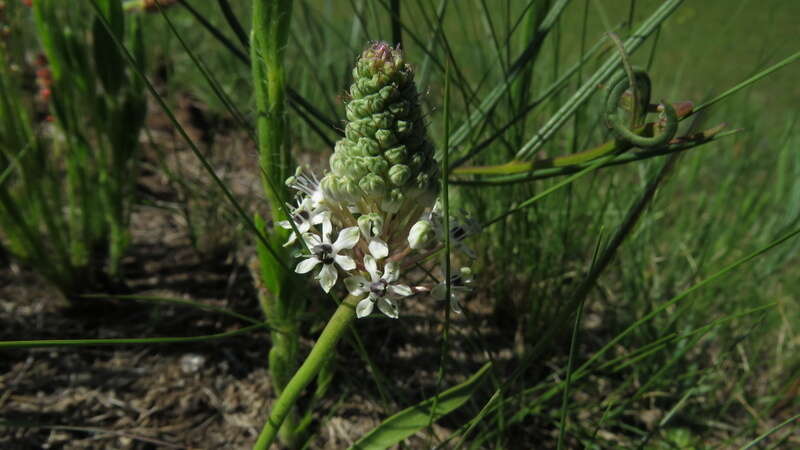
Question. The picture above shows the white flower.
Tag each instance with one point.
(307, 184)
(458, 283)
(381, 288)
(327, 253)
(460, 228)
(304, 217)
(371, 226)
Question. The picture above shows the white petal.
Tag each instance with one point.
(348, 238)
(327, 277)
(290, 241)
(372, 267)
(401, 290)
(391, 272)
(285, 224)
(378, 248)
(388, 307)
(305, 266)
(345, 262)
(326, 230)
(454, 305)
(364, 308)
(304, 226)
(311, 240)
(320, 217)
(318, 196)
(356, 285)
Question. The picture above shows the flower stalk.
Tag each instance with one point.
(320, 353)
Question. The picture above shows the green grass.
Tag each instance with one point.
(602, 280)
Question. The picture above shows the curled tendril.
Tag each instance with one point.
(618, 85)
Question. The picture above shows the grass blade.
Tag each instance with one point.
(407, 422)
(156, 340)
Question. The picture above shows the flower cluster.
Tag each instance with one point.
(374, 214)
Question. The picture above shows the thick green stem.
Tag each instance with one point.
(268, 45)
(333, 331)
(281, 305)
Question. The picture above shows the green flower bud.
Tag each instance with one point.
(385, 155)
(291, 180)
(404, 127)
(368, 147)
(337, 162)
(396, 155)
(392, 201)
(377, 166)
(421, 235)
(372, 185)
(370, 225)
(386, 138)
(466, 276)
(399, 174)
(341, 189)
(400, 109)
(423, 179)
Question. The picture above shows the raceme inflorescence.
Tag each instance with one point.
(375, 213)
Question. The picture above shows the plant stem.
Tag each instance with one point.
(320, 353)
(270, 35)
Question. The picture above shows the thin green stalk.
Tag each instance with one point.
(785, 62)
(334, 330)
(552, 89)
(557, 169)
(156, 340)
(213, 83)
(179, 301)
(593, 166)
(516, 69)
(445, 196)
(300, 104)
(573, 347)
(546, 132)
(397, 29)
(773, 430)
(233, 22)
(196, 151)
(581, 291)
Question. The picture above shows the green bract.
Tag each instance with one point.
(385, 157)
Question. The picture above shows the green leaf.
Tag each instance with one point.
(271, 273)
(50, 32)
(107, 59)
(410, 420)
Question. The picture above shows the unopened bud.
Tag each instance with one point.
(370, 225)
(385, 149)
(464, 277)
(421, 235)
